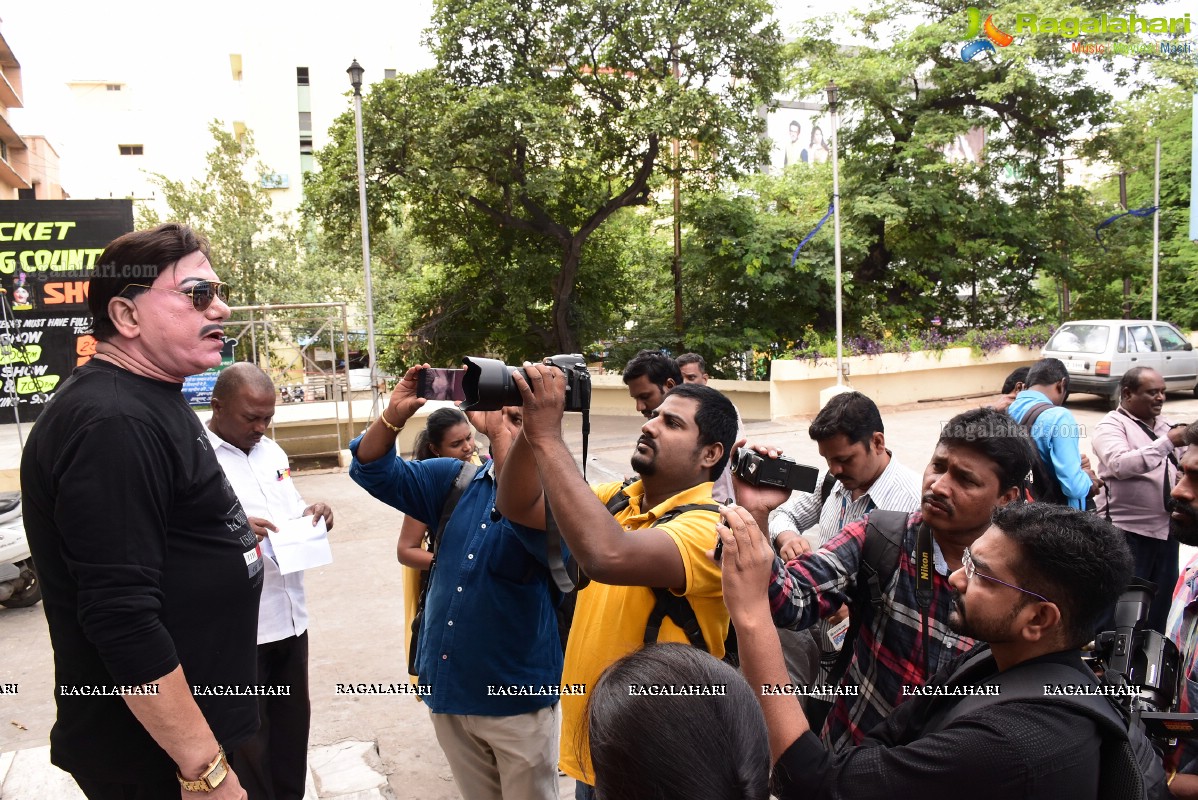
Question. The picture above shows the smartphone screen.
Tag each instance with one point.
(441, 384)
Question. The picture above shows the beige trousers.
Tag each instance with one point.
(493, 758)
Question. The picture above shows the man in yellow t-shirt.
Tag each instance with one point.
(682, 447)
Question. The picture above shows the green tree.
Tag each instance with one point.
(251, 250)
(541, 124)
(963, 241)
(1129, 145)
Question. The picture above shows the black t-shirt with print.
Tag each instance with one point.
(146, 562)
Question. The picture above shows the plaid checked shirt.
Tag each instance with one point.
(889, 651)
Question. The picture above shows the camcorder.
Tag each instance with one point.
(488, 386)
(785, 473)
(1135, 655)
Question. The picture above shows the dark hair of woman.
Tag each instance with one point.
(652, 742)
(439, 423)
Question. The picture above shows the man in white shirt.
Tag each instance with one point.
(273, 763)
(862, 475)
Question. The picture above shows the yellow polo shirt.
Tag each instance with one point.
(609, 621)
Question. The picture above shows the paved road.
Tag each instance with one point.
(356, 606)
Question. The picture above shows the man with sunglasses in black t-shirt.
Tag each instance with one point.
(150, 573)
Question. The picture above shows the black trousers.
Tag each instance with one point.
(106, 790)
(167, 789)
(273, 764)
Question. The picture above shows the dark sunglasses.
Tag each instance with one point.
(202, 293)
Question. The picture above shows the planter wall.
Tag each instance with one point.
(609, 395)
(892, 379)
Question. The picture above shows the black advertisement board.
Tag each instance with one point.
(48, 252)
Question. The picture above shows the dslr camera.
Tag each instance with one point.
(786, 473)
(488, 384)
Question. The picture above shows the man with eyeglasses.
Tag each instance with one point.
(150, 571)
(903, 638)
(1020, 715)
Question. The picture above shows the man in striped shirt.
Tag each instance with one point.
(980, 463)
(862, 475)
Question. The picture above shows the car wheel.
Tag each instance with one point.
(31, 591)
(1113, 398)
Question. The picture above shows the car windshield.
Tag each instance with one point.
(1079, 339)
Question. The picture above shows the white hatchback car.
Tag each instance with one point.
(1098, 351)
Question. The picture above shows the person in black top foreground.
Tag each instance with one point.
(150, 573)
(1031, 589)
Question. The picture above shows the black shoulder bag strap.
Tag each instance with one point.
(825, 489)
(1033, 414)
(1170, 457)
(668, 604)
(464, 476)
(884, 532)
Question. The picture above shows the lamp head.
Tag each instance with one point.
(355, 76)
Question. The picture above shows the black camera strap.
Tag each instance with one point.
(586, 434)
(925, 568)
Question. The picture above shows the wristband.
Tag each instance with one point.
(394, 428)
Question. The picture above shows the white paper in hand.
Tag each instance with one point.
(300, 545)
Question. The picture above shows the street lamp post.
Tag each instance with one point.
(355, 78)
(832, 97)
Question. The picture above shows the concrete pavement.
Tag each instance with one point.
(356, 620)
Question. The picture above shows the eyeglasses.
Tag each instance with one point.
(202, 293)
(971, 569)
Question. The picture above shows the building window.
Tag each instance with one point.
(131, 149)
(301, 76)
(305, 145)
(26, 194)
(388, 73)
(113, 87)
(3, 149)
(305, 121)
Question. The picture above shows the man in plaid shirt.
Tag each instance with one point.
(980, 463)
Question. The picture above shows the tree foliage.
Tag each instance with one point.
(1129, 145)
(963, 241)
(251, 250)
(544, 123)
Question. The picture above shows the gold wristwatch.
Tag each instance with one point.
(211, 777)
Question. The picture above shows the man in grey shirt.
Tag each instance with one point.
(862, 475)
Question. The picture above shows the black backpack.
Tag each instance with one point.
(1045, 487)
(1130, 769)
(884, 532)
(667, 604)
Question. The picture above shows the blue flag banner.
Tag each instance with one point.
(815, 230)
(1146, 211)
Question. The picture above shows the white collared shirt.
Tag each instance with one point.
(262, 481)
(896, 489)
